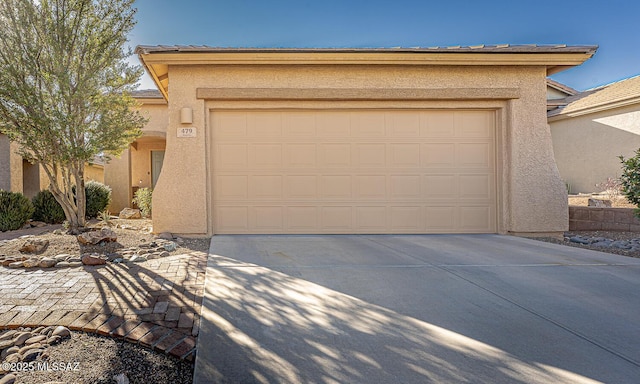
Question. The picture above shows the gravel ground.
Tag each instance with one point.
(96, 360)
(607, 234)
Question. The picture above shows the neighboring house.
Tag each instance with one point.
(557, 93)
(139, 165)
(433, 140)
(591, 129)
(18, 175)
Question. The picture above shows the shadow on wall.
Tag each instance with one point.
(345, 339)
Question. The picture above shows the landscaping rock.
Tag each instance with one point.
(21, 338)
(138, 259)
(130, 213)
(34, 246)
(598, 203)
(93, 259)
(62, 257)
(165, 236)
(31, 354)
(15, 264)
(31, 263)
(47, 263)
(95, 237)
(61, 331)
(170, 246)
(8, 379)
(63, 264)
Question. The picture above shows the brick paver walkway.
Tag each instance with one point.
(156, 303)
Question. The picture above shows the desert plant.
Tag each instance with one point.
(630, 179)
(47, 208)
(98, 198)
(611, 188)
(15, 210)
(143, 200)
(105, 217)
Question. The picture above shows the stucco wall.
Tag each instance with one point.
(5, 163)
(587, 147)
(532, 195)
(134, 165)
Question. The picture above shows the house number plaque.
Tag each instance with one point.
(187, 132)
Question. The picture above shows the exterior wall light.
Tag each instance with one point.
(186, 116)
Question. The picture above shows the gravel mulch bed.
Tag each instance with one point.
(613, 235)
(99, 359)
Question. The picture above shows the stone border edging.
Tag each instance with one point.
(146, 334)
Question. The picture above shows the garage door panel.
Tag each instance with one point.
(438, 155)
(298, 124)
(300, 155)
(335, 187)
(232, 219)
(474, 124)
(265, 156)
(475, 187)
(302, 219)
(335, 155)
(301, 187)
(229, 187)
(404, 123)
(371, 218)
(407, 219)
(405, 155)
(369, 155)
(441, 218)
(371, 187)
(368, 125)
(353, 171)
(474, 155)
(261, 125)
(268, 218)
(336, 218)
(265, 187)
(475, 218)
(444, 186)
(435, 124)
(232, 156)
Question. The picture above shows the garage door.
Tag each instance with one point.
(353, 171)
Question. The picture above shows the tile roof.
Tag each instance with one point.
(612, 95)
(561, 87)
(500, 48)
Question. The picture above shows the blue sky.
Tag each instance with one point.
(614, 25)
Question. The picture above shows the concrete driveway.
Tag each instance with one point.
(417, 309)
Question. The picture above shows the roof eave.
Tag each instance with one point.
(156, 60)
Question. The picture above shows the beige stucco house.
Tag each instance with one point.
(18, 175)
(140, 165)
(433, 140)
(591, 129)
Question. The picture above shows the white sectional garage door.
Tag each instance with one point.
(353, 171)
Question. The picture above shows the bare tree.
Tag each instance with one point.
(65, 87)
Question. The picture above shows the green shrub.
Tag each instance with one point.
(143, 200)
(47, 209)
(98, 198)
(630, 179)
(15, 210)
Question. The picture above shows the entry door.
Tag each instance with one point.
(157, 157)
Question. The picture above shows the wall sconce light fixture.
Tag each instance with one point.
(186, 116)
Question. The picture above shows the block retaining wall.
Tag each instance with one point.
(605, 219)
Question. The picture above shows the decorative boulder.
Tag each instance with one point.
(95, 237)
(130, 213)
(93, 259)
(34, 246)
(599, 203)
